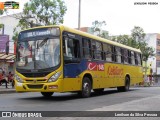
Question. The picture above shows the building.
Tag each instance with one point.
(153, 40)
(7, 61)
(9, 22)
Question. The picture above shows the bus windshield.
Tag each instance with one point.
(38, 54)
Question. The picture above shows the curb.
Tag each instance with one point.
(6, 91)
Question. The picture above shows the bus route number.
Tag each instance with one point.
(93, 66)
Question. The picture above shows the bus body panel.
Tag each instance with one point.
(37, 87)
(104, 74)
(40, 84)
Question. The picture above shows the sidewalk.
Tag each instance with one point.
(4, 90)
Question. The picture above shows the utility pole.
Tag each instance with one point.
(79, 15)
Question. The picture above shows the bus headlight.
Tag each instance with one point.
(54, 77)
(18, 78)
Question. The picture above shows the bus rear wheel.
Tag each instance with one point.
(86, 88)
(47, 94)
(126, 87)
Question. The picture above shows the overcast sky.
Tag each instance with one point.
(120, 15)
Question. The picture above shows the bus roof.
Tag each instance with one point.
(75, 31)
(99, 38)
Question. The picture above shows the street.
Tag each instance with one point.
(137, 99)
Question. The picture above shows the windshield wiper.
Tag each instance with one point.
(42, 43)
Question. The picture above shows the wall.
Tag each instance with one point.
(3, 41)
(10, 22)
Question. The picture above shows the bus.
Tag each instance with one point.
(61, 59)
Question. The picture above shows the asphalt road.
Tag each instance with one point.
(137, 99)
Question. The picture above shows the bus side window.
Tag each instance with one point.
(118, 54)
(114, 54)
(71, 49)
(86, 44)
(139, 59)
(93, 49)
(125, 56)
(99, 54)
(107, 52)
(122, 55)
(129, 57)
(135, 56)
(132, 58)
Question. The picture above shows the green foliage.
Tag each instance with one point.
(15, 35)
(146, 50)
(138, 33)
(1, 26)
(41, 12)
(45, 12)
(124, 39)
(97, 28)
(1, 12)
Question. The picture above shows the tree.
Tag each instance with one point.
(42, 12)
(97, 28)
(124, 39)
(146, 50)
(137, 33)
(1, 26)
(1, 13)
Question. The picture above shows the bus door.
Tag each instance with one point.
(72, 64)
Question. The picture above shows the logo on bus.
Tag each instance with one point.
(115, 70)
(34, 80)
(93, 66)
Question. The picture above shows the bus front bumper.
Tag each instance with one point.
(38, 87)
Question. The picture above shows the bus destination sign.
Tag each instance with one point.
(39, 32)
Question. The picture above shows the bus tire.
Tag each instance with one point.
(126, 87)
(98, 91)
(47, 94)
(86, 88)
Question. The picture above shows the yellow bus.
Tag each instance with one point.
(61, 59)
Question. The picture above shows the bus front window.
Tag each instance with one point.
(38, 54)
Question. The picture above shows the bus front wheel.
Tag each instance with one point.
(86, 88)
(47, 94)
(125, 88)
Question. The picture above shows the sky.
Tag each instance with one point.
(120, 15)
